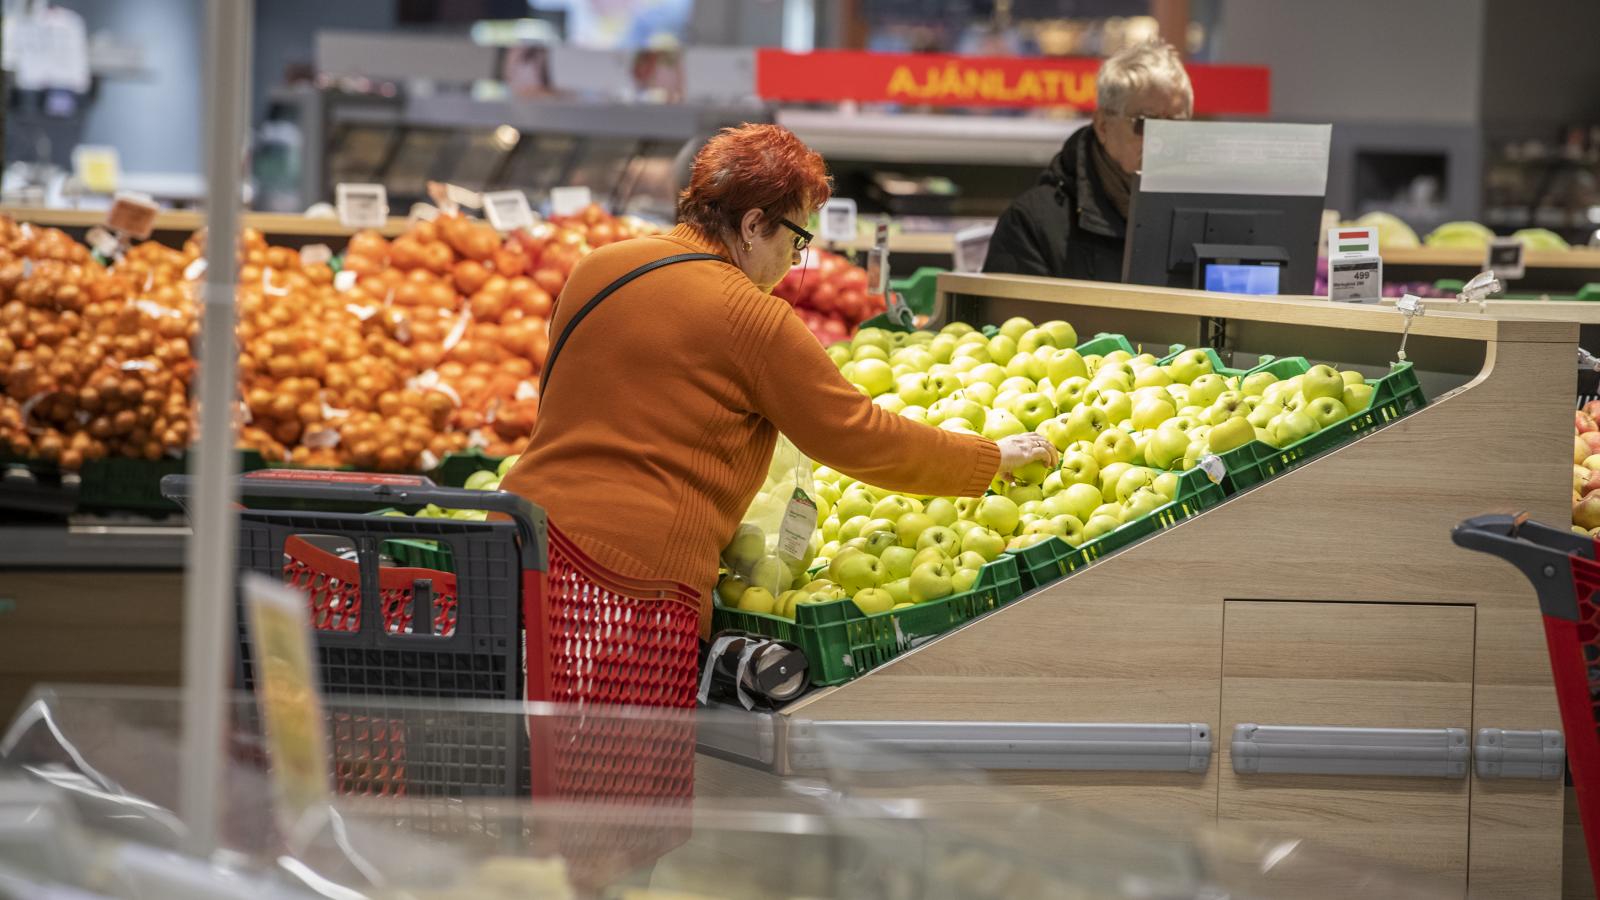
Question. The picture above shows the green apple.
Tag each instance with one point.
(1189, 365)
(757, 599)
(916, 389)
(1055, 431)
(1024, 541)
(1326, 411)
(915, 414)
(1117, 404)
(890, 402)
(1061, 333)
(1069, 528)
(1065, 363)
(863, 353)
(873, 375)
(932, 580)
(1357, 397)
(1165, 446)
(963, 580)
(1152, 376)
(1108, 479)
(1111, 446)
(1002, 348)
(1166, 484)
(853, 503)
(1099, 526)
(1322, 381)
(1230, 435)
(1015, 327)
(1086, 423)
(480, 480)
(1017, 384)
(1227, 405)
(1033, 339)
(785, 604)
(1053, 484)
(873, 600)
(1142, 503)
(954, 407)
(894, 506)
(730, 588)
(969, 356)
(1070, 392)
(1134, 479)
(942, 510)
(829, 550)
(1022, 493)
(984, 541)
(1079, 467)
(998, 513)
(1026, 365)
(943, 380)
(749, 544)
(971, 559)
(771, 573)
(900, 590)
(966, 506)
(981, 393)
(1112, 380)
(897, 561)
(986, 373)
(855, 572)
(1255, 383)
(1205, 389)
(957, 328)
(1351, 376)
(997, 423)
(1151, 413)
(1289, 427)
(939, 536)
(878, 524)
(879, 541)
(1264, 412)
(839, 353)
(1032, 410)
(1078, 500)
(873, 337)
(1045, 526)
(823, 589)
(851, 527)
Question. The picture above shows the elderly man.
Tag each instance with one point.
(1071, 224)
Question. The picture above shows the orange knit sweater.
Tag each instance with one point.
(658, 422)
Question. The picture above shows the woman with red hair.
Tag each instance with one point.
(660, 405)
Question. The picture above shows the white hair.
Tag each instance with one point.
(1152, 65)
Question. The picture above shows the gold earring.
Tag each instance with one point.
(747, 246)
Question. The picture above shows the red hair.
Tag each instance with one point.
(761, 167)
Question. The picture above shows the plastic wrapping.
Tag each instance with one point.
(773, 545)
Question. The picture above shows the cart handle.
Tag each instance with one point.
(1543, 554)
(380, 490)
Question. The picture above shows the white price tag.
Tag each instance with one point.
(315, 254)
(1211, 464)
(132, 214)
(452, 197)
(799, 522)
(569, 201)
(1357, 279)
(839, 219)
(362, 205)
(508, 210)
(1505, 258)
(972, 247)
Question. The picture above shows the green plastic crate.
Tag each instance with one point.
(1394, 395)
(1104, 343)
(1055, 559)
(842, 643)
(123, 485)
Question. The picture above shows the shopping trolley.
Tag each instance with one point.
(1564, 567)
(453, 609)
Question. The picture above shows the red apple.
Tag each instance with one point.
(1584, 422)
(1592, 439)
(1593, 409)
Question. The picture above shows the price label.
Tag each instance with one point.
(1356, 280)
(839, 220)
(132, 214)
(315, 254)
(453, 197)
(971, 248)
(1505, 258)
(291, 707)
(878, 271)
(362, 205)
(799, 521)
(508, 210)
(569, 201)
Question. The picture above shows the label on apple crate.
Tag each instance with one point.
(1211, 464)
(799, 522)
(362, 205)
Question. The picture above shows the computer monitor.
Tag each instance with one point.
(1218, 197)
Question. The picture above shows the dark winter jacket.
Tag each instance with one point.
(1065, 226)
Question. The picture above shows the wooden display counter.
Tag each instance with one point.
(1329, 596)
(175, 226)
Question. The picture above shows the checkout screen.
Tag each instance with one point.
(1242, 279)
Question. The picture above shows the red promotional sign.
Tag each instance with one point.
(833, 76)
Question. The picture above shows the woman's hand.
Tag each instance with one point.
(1018, 450)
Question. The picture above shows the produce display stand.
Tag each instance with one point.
(1329, 596)
(173, 227)
(856, 823)
(1562, 271)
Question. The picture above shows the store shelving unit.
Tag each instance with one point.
(1329, 596)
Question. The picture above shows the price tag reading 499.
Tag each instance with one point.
(1355, 268)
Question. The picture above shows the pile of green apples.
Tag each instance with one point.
(481, 480)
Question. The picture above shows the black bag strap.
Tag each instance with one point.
(608, 290)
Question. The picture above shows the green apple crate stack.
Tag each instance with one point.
(1145, 443)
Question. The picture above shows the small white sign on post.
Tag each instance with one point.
(508, 210)
(1506, 258)
(971, 247)
(839, 220)
(1355, 267)
(569, 201)
(362, 205)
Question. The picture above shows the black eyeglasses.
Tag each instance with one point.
(802, 237)
(1138, 121)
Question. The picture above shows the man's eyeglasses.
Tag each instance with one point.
(802, 237)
